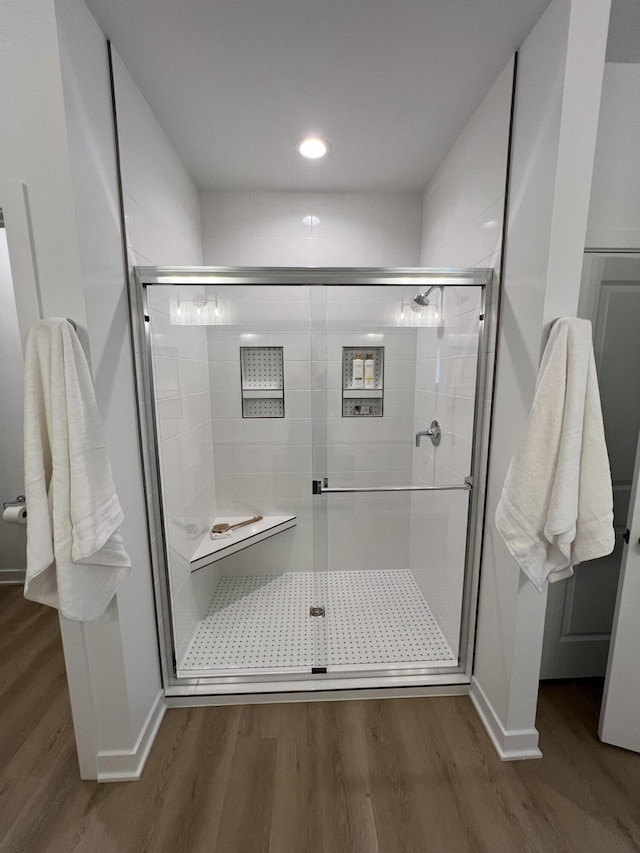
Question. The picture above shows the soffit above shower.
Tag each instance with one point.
(391, 84)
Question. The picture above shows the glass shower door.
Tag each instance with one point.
(394, 390)
(232, 404)
(275, 395)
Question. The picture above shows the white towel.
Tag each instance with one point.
(75, 554)
(556, 508)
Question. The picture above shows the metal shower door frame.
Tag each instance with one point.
(144, 277)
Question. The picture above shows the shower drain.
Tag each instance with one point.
(316, 611)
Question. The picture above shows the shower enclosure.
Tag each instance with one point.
(339, 413)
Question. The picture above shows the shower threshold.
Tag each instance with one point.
(259, 625)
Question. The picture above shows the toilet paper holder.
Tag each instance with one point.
(18, 502)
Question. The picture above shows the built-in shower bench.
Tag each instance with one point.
(209, 550)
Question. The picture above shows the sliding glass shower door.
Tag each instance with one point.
(394, 390)
(311, 450)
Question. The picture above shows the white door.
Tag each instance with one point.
(19, 309)
(12, 536)
(580, 609)
(619, 714)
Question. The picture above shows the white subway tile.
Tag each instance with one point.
(226, 404)
(400, 374)
(223, 458)
(458, 453)
(224, 376)
(193, 376)
(166, 377)
(279, 431)
(297, 404)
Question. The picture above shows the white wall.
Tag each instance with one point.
(162, 216)
(614, 207)
(614, 223)
(560, 67)
(58, 140)
(35, 151)
(162, 206)
(557, 102)
(34, 148)
(462, 226)
(13, 541)
(122, 647)
(614, 211)
(464, 201)
(353, 229)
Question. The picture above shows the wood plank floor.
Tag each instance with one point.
(412, 775)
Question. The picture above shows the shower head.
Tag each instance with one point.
(423, 298)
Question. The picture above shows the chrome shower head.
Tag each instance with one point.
(423, 298)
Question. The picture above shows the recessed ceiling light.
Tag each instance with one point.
(312, 147)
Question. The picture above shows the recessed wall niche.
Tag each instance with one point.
(262, 382)
(362, 382)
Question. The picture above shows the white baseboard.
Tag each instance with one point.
(11, 577)
(127, 765)
(513, 745)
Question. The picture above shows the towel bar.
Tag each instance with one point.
(318, 488)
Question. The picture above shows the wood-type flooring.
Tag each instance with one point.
(376, 776)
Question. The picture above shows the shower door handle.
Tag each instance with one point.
(319, 489)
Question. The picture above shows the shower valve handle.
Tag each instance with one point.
(434, 432)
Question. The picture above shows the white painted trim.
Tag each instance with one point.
(510, 745)
(193, 701)
(14, 203)
(11, 577)
(85, 727)
(127, 765)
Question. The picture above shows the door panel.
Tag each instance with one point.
(580, 609)
(13, 541)
(228, 451)
(619, 717)
(247, 613)
(391, 571)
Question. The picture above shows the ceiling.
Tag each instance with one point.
(390, 83)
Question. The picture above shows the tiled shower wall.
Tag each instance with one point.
(265, 465)
(462, 227)
(366, 531)
(445, 390)
(185, 448)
